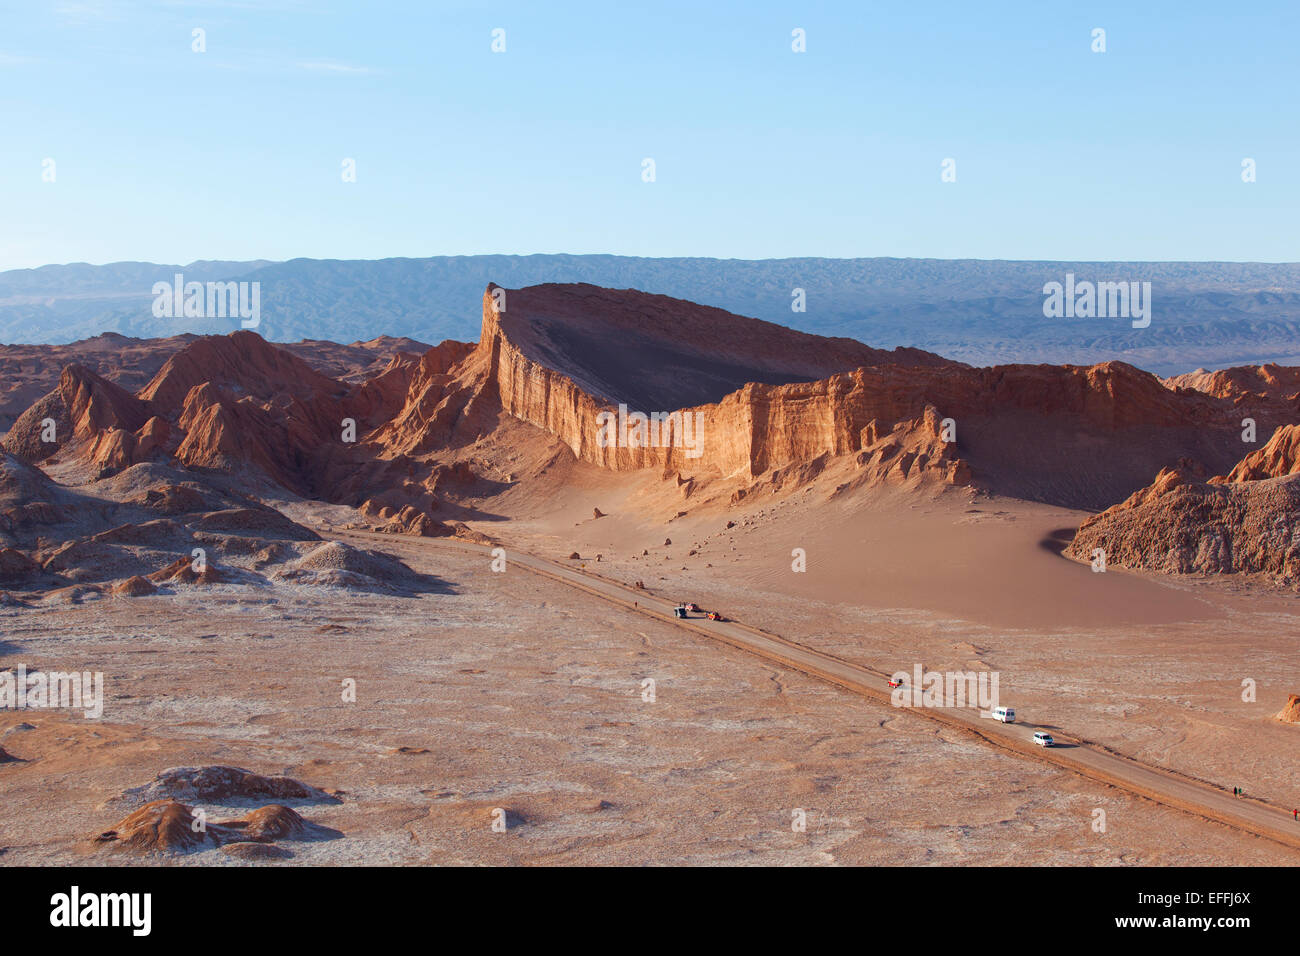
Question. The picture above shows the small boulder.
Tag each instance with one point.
(134, 586)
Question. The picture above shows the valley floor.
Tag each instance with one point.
(518, 693)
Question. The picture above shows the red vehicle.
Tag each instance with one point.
(715, 616)
(895, 683)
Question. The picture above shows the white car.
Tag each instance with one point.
(1043, 740)
(1005, 714)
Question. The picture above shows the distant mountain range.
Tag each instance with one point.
(1205, 314)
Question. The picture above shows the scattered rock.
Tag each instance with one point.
(575, 556)
(597, 513)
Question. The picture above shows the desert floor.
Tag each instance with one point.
(510, 691)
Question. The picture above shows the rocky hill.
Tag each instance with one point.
(1243, 522)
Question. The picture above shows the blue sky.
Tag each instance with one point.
(168, 155)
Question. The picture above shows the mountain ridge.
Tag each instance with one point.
(981, 312)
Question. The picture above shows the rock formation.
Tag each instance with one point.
(1246, 521)
(720, 405)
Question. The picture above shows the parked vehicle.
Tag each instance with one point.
(1005, 714)
(1043, 740)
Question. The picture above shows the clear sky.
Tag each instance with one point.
(164, 154)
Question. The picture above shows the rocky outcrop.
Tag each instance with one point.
(220, 784)
(1017, 426)
(85, 405)
(444, 395)
(913, 452)
(164, 827)
(1244, 382)
(1279, 457)
(170, 827)
(242, 363)
(116, 448)
(1245, 522)
(1290, 714)
(30, 437)
(29, 371)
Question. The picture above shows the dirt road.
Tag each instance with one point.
(1088, 758)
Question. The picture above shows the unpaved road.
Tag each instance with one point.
(1088, 758)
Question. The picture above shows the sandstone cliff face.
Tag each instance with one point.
(746, 432)
(1070, 435)
(1245, 522)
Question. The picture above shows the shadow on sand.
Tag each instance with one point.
(1057, 541)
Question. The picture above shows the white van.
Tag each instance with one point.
(1004, 714)
(1043, 740)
